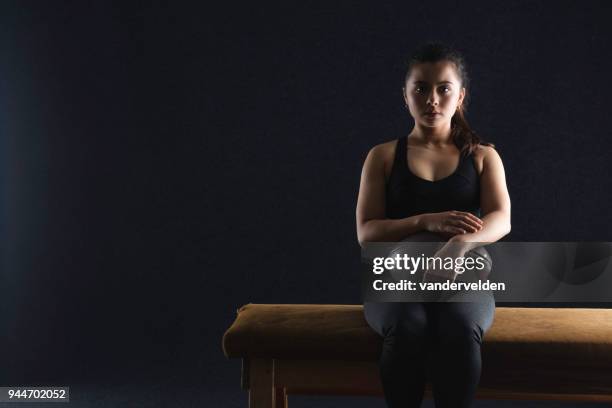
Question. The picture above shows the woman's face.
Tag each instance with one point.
(433, 87)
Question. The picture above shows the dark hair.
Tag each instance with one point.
(464, 137)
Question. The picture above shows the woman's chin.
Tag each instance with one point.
(433, 124)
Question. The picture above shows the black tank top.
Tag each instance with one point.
(408, 194)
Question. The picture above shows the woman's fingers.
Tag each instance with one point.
(473, 217)
(455, 230)
(461, 222)
(470, 219)
(471, 227)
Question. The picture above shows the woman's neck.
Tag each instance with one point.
(432, 136)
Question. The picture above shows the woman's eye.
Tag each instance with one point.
(420, 89)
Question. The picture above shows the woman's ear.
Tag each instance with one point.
(461, 96)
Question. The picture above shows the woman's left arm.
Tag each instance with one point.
(494, 203)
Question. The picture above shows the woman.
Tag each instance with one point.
(442, 179)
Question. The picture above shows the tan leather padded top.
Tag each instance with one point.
(300, 331)
(558, 336)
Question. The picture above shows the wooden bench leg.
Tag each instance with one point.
(281, 398)
(262, 393)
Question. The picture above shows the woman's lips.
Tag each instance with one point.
(431, 115)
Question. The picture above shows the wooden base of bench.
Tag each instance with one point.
(270, 381)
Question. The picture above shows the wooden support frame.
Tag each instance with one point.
(270, 381)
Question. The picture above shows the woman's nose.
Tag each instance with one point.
(432, 99)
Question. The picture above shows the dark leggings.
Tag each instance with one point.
(436, 341)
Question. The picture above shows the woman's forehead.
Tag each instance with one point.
(438, 72)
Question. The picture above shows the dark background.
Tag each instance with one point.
(164, 163)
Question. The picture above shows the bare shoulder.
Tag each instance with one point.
(383, 154)
(384, 150)
(482, 151)
(485, 156)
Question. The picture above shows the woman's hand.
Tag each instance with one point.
(451, 223)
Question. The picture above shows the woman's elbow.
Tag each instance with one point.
(363, 235)
(508, 229)
(503, 221)
(507, 224)
(361, 238)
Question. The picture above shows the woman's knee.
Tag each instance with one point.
(410, 326)
(397, 319)
(457, 332)
(464, 322)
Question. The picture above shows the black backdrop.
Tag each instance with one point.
(164, 163)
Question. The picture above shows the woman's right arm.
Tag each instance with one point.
(372, 224)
